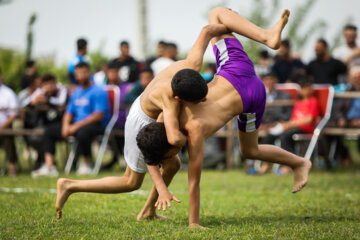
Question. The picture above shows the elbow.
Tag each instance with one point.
(177, 141)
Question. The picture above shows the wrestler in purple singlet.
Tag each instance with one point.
(233, 63)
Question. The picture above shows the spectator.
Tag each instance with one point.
(86, 115)
(78, 58)
(30, 71)
(349, 53)
(160, 48)
(8, 113)
(209, 72)
(325, 69)
(100, 76)
(146, 75)
(32, 118)
(264, 64)
(272, 115)
(170, 54)
(127, 65)
(285, 64)
(113, 78)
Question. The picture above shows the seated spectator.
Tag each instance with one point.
(169, 56)
(272, 115)
(325, 69)
(8, 113)
(303, 118)
(209, 72)
(80, 56)
(32, 118)
(86, 115)
(285, 64)
(127, 65)
(350, 52)
(146, 75)
(100, 76)
(160, 48)
(30, 72)
(264, 64)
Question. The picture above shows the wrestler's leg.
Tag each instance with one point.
(236, 23)
(251, 149)
(168, 170)
(130, 181)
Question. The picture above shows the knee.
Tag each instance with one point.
(250, 153)
(82, 135)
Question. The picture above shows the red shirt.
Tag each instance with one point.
(305, 108)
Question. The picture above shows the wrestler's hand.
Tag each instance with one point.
(165, 199)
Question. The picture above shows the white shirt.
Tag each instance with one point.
(160, 64)
(58, 100)
(7, 100)
(100, 78)
(343, 52)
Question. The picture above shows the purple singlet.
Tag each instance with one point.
(233, 63)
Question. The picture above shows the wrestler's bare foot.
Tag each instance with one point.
(273, 35)
(301, 173)
(143, 215)
(62, 195)
(196, 225)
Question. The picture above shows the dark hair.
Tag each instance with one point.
(122, 43)
(264, 54)
(48, 78)
(81, 43)
(148, 70)
(189, 85)
(29, 63)
(323, 41)
(302, 80)
(153, 143)
(82, 65)
(31, 79)
(286, 43)
(112, 65)
(350, 27)
(270, 74)
(171, 44)
(161, 42)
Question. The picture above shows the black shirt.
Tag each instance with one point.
(128, 69)
(284, 69)
(326, 72)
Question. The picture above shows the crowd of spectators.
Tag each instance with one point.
(82, 109)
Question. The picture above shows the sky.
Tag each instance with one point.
(106, 22)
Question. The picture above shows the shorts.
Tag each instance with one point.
(135, 121)
(233, 64)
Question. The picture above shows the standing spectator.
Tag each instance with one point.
(78, 58)
(349, 53)
(285, 64)
(30, 72)
(86, 115)
(264, 64)
(325, 69)
(127, 65)
(146, 75)
(160, 48)
(169, 56)
(8, 113)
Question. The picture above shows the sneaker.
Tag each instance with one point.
(45, 171)
(84, 169)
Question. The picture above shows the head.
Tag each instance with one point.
(170, 51)
(188, 85)
(350, 34)
(124, 48)
(30, 66)
(264, 54)
(355, 76)
(270, 80)
(35, 82)
(321, 48)
(153, 143)
(285, 48)
(209, 72)
(306, 89)
(145, 77)
(81, 45)
(112, 74)
(49, 84)
(160, 48)
(82, 73)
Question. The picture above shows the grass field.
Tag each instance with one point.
(233, 206)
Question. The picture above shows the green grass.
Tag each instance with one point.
(233, 206)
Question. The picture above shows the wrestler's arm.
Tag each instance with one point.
(196, 155)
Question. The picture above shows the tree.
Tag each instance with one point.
(29, 36)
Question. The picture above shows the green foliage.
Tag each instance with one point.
(233, 205)
(97, 58)
(12, 64)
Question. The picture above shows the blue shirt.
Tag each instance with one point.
(71, 68)
(84, 102)
(354, 111)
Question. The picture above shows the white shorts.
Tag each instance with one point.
(135, 121)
